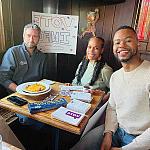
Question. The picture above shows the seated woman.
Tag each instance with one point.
(93, 72)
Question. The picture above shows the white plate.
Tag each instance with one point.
(20, 89)
(33, 83)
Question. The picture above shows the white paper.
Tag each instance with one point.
(68, 116)
(58, 32)
(79, 106)
(49, 82)
(71, 88)
(87, 97)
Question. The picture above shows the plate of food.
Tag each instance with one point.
(33, 88)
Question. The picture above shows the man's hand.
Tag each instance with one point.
(107, 140)
(12, 87)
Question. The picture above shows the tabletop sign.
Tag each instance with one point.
(73, 114)
(59, 32)
(68, 116)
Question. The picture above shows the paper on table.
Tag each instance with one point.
(71, 88)
(87, 97)
(79, 106)
(67, 115)
(49, 82)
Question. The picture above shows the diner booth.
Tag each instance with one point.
(14, 14)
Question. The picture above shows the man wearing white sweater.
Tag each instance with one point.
(127, 124)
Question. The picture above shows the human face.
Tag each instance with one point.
(125, 45)
(31, 38)
(94, 49)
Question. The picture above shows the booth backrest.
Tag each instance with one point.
(8, 135)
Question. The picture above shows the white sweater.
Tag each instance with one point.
(129, 105)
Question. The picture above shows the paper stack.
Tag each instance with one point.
(68, 116)
(79, 106)
(71, 88)
(74, 112)
(86, 97)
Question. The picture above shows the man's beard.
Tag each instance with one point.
(126, 60)
(30, 45)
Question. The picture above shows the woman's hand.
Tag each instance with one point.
(68, 84)
(106, 97)
(96, 92)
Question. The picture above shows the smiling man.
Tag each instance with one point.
(23, 63)
(128, 48)
(127, 123)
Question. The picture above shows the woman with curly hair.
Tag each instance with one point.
(93, 72)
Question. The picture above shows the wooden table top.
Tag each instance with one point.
(45, 116)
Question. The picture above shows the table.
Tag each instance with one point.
(45, 117)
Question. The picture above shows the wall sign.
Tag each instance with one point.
(59, 32)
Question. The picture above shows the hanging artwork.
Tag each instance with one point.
(143, 28)
(92, 18)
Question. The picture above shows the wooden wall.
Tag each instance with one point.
(62, 66)
(51, 6)
(17, 13)
(111, 17)
(144, 48)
